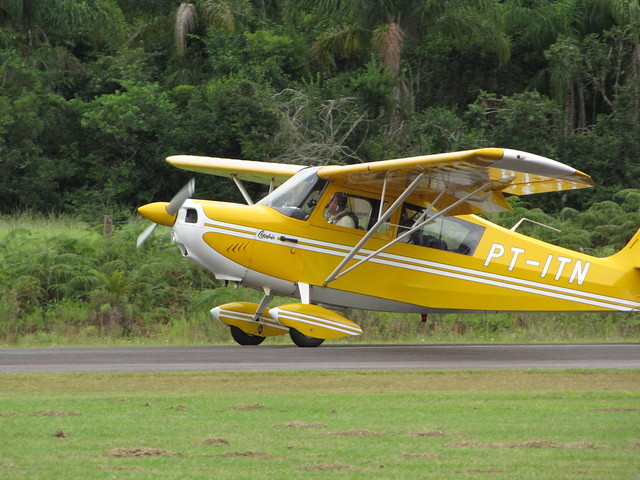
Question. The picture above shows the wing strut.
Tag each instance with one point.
(337, 273)
(374, 228)
(243, 190)
(384, 192)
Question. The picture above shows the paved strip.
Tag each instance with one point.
(340, 357)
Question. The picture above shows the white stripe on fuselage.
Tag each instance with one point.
(433, 268)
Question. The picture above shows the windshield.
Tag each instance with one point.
(297, 197)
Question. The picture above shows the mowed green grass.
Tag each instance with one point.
(325, 425)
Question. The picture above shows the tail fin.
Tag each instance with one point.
(632, 251)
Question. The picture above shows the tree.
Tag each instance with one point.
(125, 137)
(56, 21)
(385, 27)
(582, 51)
(567, 81)
(554, 29)
(222, 14)
(317, 135)
(627, 14)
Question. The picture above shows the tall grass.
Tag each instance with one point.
(64, 283)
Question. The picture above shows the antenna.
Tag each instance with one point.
(513, 229)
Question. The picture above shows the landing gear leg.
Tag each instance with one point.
(268, 296)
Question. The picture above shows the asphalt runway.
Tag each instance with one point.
(327, 357)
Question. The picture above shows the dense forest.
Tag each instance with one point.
(95, 94)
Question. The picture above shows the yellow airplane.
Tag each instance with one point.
(396, 235)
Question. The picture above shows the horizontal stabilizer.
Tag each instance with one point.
(314, 321)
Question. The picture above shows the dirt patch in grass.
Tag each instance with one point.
(491, 471)
(428, 433)
(42, 413)
(300, 424)
(618, 410)
(423, 456)
(330, 467)
(248, 406)
(51, 413)
(248, 454)
(352, 433)
(529, 444)
(215, 442)
(142, 452)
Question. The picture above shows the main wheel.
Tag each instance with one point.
(244, 338)
(302, 340)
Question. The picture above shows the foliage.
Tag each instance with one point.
(601, 230)
(56, 275)
(93, 95)
(64, 282)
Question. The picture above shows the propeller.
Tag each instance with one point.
(179, 198)
(145, 235)
(163, 213)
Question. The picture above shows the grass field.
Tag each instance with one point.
(325, 425)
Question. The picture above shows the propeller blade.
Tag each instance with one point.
(146, 234)
(152, 212)
(180, 197)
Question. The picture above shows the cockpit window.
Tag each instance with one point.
(348, 211)
(354, 211)
(297, 197)
(443, 233)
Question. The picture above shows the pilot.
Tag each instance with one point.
(336, 212)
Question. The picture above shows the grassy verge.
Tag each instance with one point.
(401, 425)
(64, 283)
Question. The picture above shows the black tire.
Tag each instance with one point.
(244, 338)
(302, 340)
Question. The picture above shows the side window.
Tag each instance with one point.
(443, 233)
(349, 211)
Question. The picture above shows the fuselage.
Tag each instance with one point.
(474, 265)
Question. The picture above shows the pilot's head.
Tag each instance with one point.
(337, 203)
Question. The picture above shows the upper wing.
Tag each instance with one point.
(456, 174)
(251, 171)
(449, 176)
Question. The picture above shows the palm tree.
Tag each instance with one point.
(385, 25)
(556, 30)
(559, 29)
(627, 14)
(46, 21)
(222, 14)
